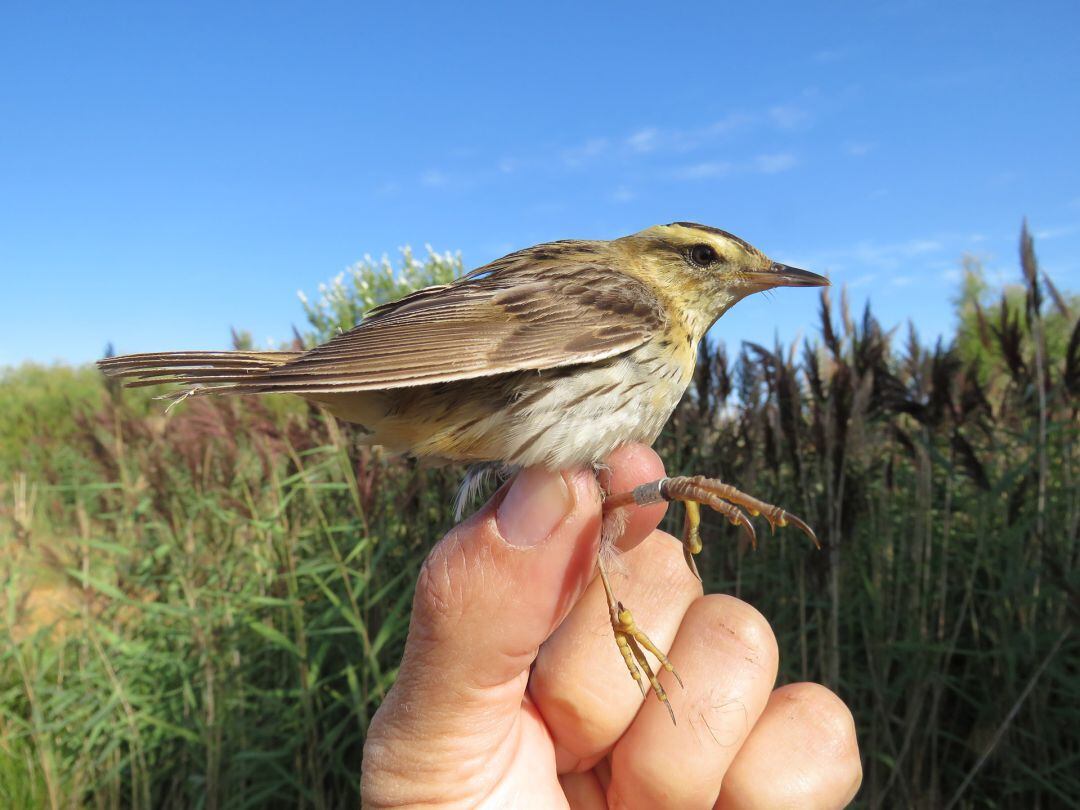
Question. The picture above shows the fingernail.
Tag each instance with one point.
(537, 502)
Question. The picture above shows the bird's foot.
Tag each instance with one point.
(633, 644)
(631, 641)
(698, 490)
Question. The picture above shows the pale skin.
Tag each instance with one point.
(511, 694)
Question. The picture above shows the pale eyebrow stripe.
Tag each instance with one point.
(718, 232)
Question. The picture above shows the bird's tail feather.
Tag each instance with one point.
(208, 371)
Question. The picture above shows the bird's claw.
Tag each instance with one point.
(718, 496)
(631, 641)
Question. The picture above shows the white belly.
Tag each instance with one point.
(583, 417)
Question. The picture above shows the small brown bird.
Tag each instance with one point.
(554, 355)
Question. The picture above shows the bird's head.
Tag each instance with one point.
(706, 270)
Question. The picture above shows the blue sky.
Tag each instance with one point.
(170, 170)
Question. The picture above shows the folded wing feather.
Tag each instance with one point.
(514, 318)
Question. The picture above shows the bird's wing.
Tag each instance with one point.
(509, 320)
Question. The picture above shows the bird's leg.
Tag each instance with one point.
(691, 536)
(723, 498)
(631, 640)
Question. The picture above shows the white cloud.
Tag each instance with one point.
(1003, 179)
(623, 194)
(916, 265)
(788, 116)
(703, 171)
(729, 123)
(434, 178)
(655, 140)
(644, 140)
(547, 207)
(643, 144)
(828, 55)
(762, 164)
(865, 280)
(875, 258)
(775, 163)
(915, 247)
(591, 149)
(1055, 233)
(858, 148)
(689, 139)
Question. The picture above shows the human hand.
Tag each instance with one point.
(512, 692)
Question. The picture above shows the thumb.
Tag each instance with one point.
(491, 592)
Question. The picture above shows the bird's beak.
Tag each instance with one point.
(780, 275)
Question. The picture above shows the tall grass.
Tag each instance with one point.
(205, 610)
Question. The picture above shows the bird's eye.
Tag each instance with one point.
(702, 255)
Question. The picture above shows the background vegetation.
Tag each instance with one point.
(204, 609)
